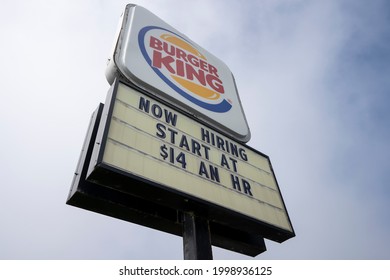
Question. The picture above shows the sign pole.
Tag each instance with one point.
(196, 237)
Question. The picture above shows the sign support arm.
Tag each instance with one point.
(196, 237)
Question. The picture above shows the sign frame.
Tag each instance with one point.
(114, 203)
(106, 175)
(131, 62)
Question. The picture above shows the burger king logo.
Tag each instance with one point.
(183, 68)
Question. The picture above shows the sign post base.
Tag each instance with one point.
(196, 238)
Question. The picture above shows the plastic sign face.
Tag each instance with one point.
(158, 59)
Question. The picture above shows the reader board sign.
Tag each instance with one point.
(157, 58)
(115, 203)
(183, 164)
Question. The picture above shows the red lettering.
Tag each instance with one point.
(177, 62)
(159, 61)
(172, 48)
(191, 73)
(180, 54)
(193, 60)
(179, 68)
(213, 70)
(155, 43)
(203, 65)
(215, 83)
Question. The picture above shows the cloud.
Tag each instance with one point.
(313, 80)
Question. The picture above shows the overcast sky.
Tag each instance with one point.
(314, 81)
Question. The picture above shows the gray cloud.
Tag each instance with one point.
(313, 79)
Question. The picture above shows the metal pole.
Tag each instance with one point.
(196, 238)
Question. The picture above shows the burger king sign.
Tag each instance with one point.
(161, 61)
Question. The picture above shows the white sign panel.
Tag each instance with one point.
(160, 60)
(146, 139)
